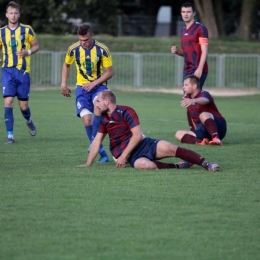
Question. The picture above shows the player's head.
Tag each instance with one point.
(12, 12)
(85, 35)
(104, 101)
(191, 83)
(188, 5)
(187, 12)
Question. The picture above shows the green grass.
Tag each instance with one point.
(49, 209)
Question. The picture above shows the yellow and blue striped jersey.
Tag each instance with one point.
(89, 63)
(15, 40)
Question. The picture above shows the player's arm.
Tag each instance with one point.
(34, 46)
(136, 138)
(175, 50)
(186, 102)
(95, 146)
(65, 91)
(204, 53)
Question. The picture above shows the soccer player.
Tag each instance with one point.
(209, 125)
(94, 68)
(17, 41)
(194, 41)
(128, 144)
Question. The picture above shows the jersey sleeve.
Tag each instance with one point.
(70, 57)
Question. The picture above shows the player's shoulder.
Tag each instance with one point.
(3, 28)
(101, 45)
(122, 109)
(74, 46)
(26, 26)
(199, 24)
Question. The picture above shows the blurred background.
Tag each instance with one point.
(223, 18)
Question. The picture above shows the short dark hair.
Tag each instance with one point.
(84, 29)
(188, 4)
(13, 5)
(193, 80)
(108, 94)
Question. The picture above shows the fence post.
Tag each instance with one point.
(55, 68)
(220, 70)
(178, 72)
(138, 69)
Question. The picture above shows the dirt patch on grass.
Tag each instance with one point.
(213, 91)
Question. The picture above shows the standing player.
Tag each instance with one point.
(209, 125)
(17, 41)
(128, 144)
(94, 67)
(194, 41)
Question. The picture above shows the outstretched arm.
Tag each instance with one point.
(136, 138)
(65, 91)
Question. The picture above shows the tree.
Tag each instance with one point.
(207, 16)
(244, 30)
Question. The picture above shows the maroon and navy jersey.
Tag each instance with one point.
(195, 110)
(191, 39)
(118, 126)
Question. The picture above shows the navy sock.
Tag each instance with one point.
(9, 120)
(26, 114)
(95, 127)
(89, 131)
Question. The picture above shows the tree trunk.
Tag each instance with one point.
(219, 17)
(244, 29)
(207, 16)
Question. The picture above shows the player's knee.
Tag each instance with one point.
(178, 135)
(144, 165)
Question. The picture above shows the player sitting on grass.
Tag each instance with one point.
(209, 126)
(128, 144)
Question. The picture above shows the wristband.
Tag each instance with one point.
(29, 52)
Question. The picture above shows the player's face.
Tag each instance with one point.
(101, 104)
(187, 87)
(12, 15)
(86, 40)
(187, 14)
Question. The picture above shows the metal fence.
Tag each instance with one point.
(154, 70)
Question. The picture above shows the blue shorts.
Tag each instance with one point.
(16, 83)
(146, 149)
(201, 131)
(84, 99)
(202, 78)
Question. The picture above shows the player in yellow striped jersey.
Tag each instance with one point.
(94, 68)
(17, 41)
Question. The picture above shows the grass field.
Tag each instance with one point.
(50, 209)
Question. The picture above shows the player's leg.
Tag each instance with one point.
(9, 118)
(23, 92)
(210, 125)
(187, 137)
(166, 149)
(9, 92)
(96, 123)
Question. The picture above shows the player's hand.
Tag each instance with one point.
(22, 53)
(174, 49)
(88, 86)
(65, 91)
(198, 73)
(186, 102)
(121, 162)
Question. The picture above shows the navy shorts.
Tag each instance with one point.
(146, 149)
(201, 131)
(84, 99)
(202, 78)
(15, 83)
